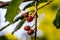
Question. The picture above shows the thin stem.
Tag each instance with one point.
(5, 27)
(32, 25)
(35, 18)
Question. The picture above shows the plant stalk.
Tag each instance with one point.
(35, 18)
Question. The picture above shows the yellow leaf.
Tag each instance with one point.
(10, 37)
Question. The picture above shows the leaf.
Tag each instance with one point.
(19, 25)
(46, 23)
(3, 37)
(38, 38)
(13, 10)
(29, 5)
(9, 36)
(41, 1)
(32, 4)
(20, 17)
(56, 22)
(26, 0)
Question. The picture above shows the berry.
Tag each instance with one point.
(30, 32)
(25, 14)
(27, 28)
(29, 19)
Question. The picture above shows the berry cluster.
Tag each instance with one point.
(29, 18)
(30, 31)
(28, 28)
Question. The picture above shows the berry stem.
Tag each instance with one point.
(35, 18)
(32, 25)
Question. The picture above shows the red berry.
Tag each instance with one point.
(30, 32)
(27, 28)
(29, 19)
(25, 14)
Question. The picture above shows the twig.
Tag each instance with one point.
(3, 4)
(35, 18)
(5, 27)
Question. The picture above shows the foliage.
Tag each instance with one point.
(56, 22)
(3, 38)
(10, 37)
(13, 10)
(51, 16)
(39, 38)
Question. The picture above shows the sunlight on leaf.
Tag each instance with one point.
(47, 24)
(10, 37)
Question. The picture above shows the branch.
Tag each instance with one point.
(3, 4)
(5, 27)
(35, 18)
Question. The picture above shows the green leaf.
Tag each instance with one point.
(26, 0)
(13, 10)
(41, 1)
(20, 17)
(3, 37)
(56, 22)
(19, 25)
(32, 4)
(29, 5)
